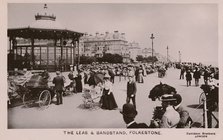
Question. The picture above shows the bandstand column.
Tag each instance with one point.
(67, 58)
(32, 53)
(78, 53)
(40, 56)
(13, 51)
(71, 59)
(47, 57)
(61, 54)
(16, 52)
(21, 51)
(55, 63)
(74, 53)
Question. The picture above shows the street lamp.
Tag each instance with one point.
(179, 56)
(152, 37)
(167, 55)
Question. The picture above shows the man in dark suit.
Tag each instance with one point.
(131, 90)
(129, 113)
(59, 85)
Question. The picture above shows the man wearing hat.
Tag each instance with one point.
(59, 85)
(129, 113)
(171, 117)
(212, 100)
(131, 90)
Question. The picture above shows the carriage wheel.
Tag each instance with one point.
(202, 98)
(44, 98)
(27, 100)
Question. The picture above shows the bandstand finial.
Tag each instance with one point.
(45, 6)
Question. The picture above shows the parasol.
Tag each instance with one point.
(98, 77)
(161, 89)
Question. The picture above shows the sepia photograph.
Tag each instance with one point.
(115, 68)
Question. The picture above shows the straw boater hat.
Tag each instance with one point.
(128, 110)
(168, 98)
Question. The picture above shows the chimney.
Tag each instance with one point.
(116, 35)
(123, 36)
(97, 34)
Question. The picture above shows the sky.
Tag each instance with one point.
(191, 29)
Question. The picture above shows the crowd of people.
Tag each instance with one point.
(101, 76)
(196, 71)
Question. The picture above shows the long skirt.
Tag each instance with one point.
(108, 101)
(140, 78)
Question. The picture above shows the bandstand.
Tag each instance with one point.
(45, 44)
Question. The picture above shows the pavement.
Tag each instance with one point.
(72, 114)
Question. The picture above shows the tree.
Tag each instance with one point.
(87, 59)
(139, 58)
(151, 59)
(111, 58)
(146, 59)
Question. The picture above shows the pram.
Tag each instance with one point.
(91, 97)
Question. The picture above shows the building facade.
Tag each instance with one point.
(134, 50)
(99, 44)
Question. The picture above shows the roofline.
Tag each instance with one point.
(24, 28)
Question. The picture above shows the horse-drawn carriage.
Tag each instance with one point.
(38, 92)
(34, 91)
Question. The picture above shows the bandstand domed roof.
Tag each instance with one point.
(46, 20)
(44, 27)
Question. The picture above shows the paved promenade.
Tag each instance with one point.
(72, 114)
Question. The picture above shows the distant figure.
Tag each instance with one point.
(140, 75)
(197, 76)
(79, 85)
(188, 78)
(59, 85)
(46, 77)
(72, 85)
(112, 74)
(131, 91)
(129, 113)
(206, 76)
(182, 71)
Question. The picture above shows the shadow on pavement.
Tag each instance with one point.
(195, 106)
(90, 107)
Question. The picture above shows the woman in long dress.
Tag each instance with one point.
(107, 100)
(78, 79)
(140, 76)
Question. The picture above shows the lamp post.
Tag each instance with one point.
(179, 56)
(167, 55)
(152, 37)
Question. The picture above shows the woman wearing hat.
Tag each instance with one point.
(107, 100)
(171, 117)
